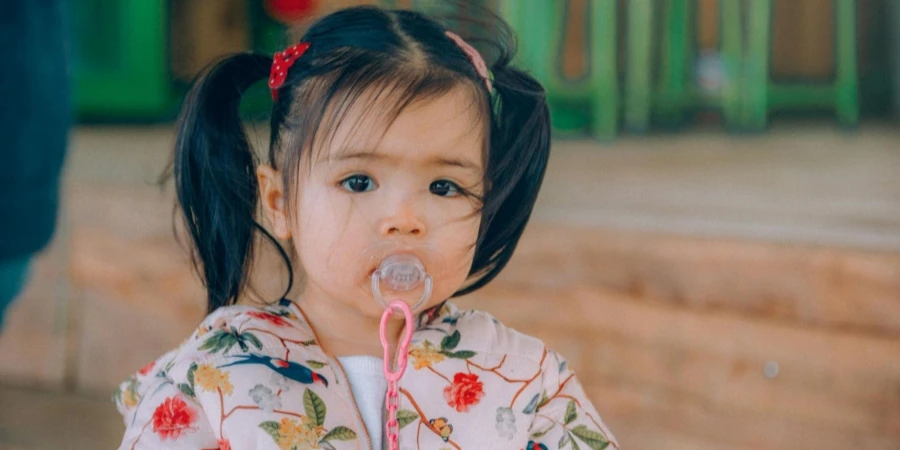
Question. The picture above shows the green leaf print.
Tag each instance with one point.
(593, 439)
(214, 343)
(406, 417)
(315, 364)
(224, 340)
(314, 406)
(462, 354)
(571, 413)
(544, 401)
(190, 375)
(227, 341)
(187, 390)
(271, 427)
(340, 433)
(567, 439)
(450, 342)
(252, 339)
(575, 444)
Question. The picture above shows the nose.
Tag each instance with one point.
(405, 220)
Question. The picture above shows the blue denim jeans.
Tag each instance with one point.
(12, 279)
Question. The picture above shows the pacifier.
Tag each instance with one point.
(399, 270)
(401, 273)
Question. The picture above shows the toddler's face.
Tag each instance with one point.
(363, 199)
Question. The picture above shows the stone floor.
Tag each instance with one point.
(114, 288)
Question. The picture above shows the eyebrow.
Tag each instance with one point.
(440, 161)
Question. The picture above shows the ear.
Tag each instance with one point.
(271, 195)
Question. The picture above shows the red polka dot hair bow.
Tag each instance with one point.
(281, 63)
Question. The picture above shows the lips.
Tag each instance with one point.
(377, 260)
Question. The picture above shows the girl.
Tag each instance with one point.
(400, 164)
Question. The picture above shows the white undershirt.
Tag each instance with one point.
(366, 376)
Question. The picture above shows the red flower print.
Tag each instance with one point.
(276, 320)
(146, 369)
(224, 444)
(465, 391)
(172, 418)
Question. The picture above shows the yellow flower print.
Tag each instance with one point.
(303, 434)
(130, 398)
(209, 378)
(425, 355)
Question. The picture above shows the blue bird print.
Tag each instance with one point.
(287, 369)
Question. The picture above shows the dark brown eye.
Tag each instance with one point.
(358, 183)
(444, 188)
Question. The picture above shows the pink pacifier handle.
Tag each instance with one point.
(392, 398)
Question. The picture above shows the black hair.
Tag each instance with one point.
(403, 53)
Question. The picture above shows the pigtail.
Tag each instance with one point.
(520, 148)
(214, 170)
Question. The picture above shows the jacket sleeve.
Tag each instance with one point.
(161, 416)
(564, 415)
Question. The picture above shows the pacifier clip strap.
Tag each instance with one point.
(392, 398)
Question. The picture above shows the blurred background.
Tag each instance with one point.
(718, 236)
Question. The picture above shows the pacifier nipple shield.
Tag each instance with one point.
(401, 273)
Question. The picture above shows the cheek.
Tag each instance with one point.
(328, 238)
(458, 226)
(453, 275)
(314, 233)
(457, 242)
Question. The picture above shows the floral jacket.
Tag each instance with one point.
(255, 378)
